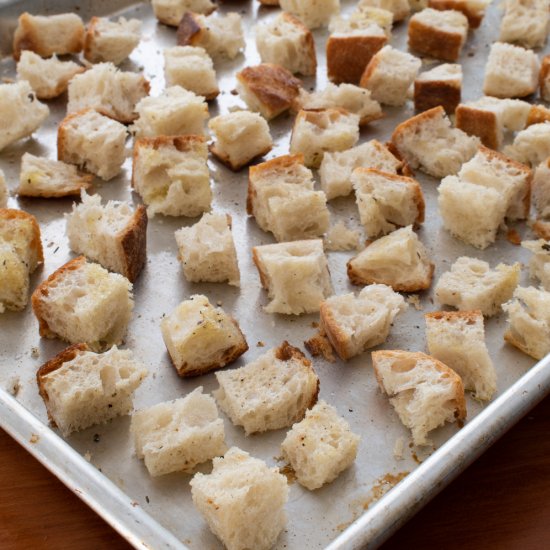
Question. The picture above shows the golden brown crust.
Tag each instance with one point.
(478, 122)
(537, 114)
(544, 74)
(471, 316)
(428, 40)
(224, 157)
(431, 93)
(320, 345)
(190, 30)
(542, 229)
(264, 280)
(368, 72)
(331, 328)
(133, 244)
(475, 17)
(62, 132)
(89, 38)
(411, 124)
(10, 214)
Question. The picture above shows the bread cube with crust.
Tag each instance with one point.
(539, 264)
(399, 8)
(4, 191)
(312, 14)
(474, 10)
(441, 85)
(171, 12)
(525, 22)
(531, 146)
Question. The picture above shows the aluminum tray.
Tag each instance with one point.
(347, 513)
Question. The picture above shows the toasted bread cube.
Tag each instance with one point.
(312, 13)
(268, 89)
(114, 235)
(177, 435)
(541, 189)
(389, 75)
(511, 71)
(295, 275)
(474, 10)
(320, 447)
(83, 302)
(532, 145)
(242, 501)
(525, 23)
(48, 35)
(21, 112)
(424, 392)
(340, 237)
(92, 141)
(398, 260)
(112, 41)
(171, 175)
(171, 12)
(41, 177)
(316, 132)
(399, 8)
(386, 201)
(272, 392)
(207, 250)
(81, 388)
(544, 78)
(4, 191)
(241, 136)
(14, 279)
(529, 321)
(441, 85)
(539, 264)
(429, 142)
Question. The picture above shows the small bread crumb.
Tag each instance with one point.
(35, 353)
(320, 345)
(260, 344)
(34, 438)
(13, 386)
(398, 448)
(513, 237)
(414, 300)
(88, 456)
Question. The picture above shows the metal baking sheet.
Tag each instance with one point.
(360, 508)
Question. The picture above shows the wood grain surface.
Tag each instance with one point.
(501, 502)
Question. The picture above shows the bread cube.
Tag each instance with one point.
(541, 189)
(525, 23)
(114, 234)
(386, 201)
(241, 136)
(336, 168)
(389, 75)
(362, 16)
(295, 275)
(46, 178)
(441, 85)
(200, 337)
(316, 132)
(112, 41)
(474, 10)
(529, 321)
(81, 388)
(177, 435)
(311, 13)
(4, 191)
(175, 112)
(171, 12)
(48, 35)
(424, 392)
(511, 71)
(544, 78)
(48, 78)
(429, 142)
(242, 500)
(207, 250)
(268, 89)
(83, 302)
(171, 175)
(398, 260)
(285, 41)
(93, 142)
(340, 237)
(532, 145)
(21, 112)
(282, 199)
(399, 8)
(320, 447)
(271, 392)
(539, 264)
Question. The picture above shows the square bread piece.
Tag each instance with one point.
(354, 324)
(240, 137)
(170, 12)
(175, 436)
(316, 132)
(525, 23)
(92, 141)
(282, 198)
(429, 142)
(200, 337)
(398, 260)
(242, 500)
(424, 392)
(457, 339)
(207, 250)
(539, 264)
(21, 112)
(48, 35)
(474, 10)
(48, 78)
(441, 85)
(295, 275)
(540, 190)
(439, 34)
(320, 447)
(114, 234)
(287, 42)
(312, 13)
(4, 191)
(544, 78)
(386, 201)
(336, 167)
(81, 388)
(191, 68)
(389, 75)
(511, 71)
(529, 321)
(83, 302)
(272, 392)
(532, 145)
(399, 8)
(175, 112)
(112, 41)
(47, 178)
(471, 284)
(268, 89)
(171, 175)
(111, 92)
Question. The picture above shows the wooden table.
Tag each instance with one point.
(501, 502)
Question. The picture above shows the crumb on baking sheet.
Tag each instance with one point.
(398, 448)
(35, 352)
(34, 438)
(13, 385)
(513, 237)
(289, 473)
(260, 344)
(320, 345)
(414, 300)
